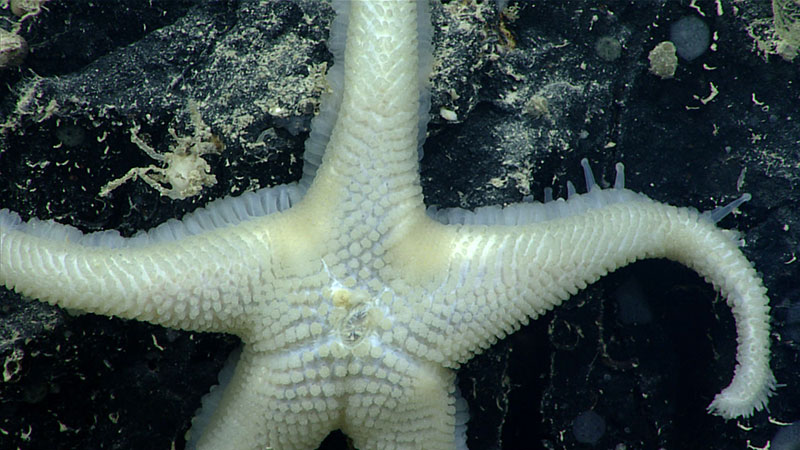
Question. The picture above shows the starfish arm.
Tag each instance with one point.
(504, 275)
(200, 282)
(271, 402)
(418, 410)
(372, 146)
(274, 401)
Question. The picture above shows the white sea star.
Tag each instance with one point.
(353, 304)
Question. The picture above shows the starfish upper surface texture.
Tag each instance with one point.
(353, 302)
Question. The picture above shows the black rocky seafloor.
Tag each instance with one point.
(631, 362)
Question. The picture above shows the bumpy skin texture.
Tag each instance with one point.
(354, 305)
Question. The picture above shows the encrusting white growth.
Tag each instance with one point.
(353, 304)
